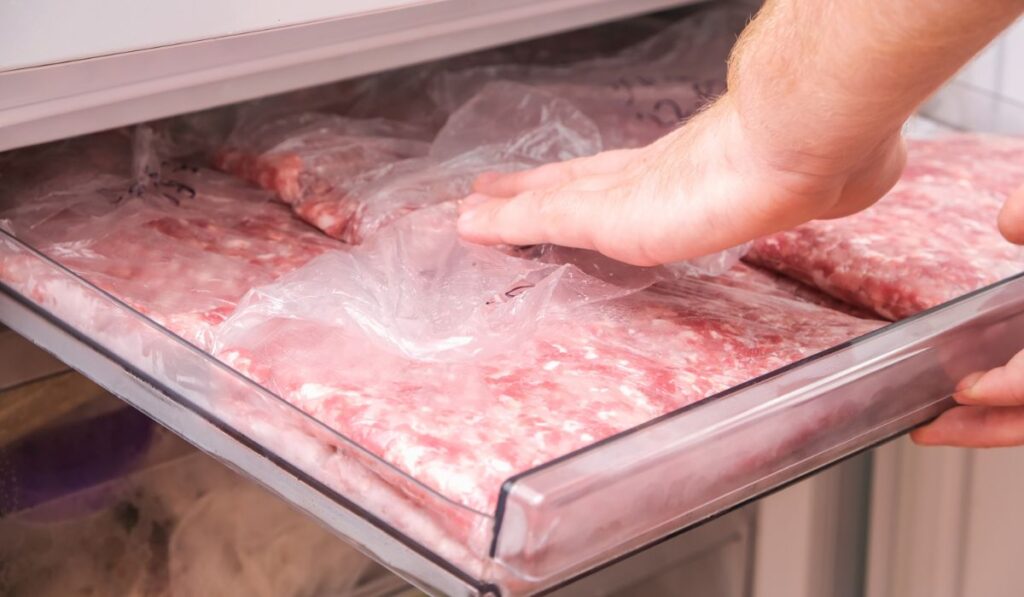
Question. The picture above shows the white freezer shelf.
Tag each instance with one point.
(52, 31)
(65, 97)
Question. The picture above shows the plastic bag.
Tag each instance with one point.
(418, 291)
(587, 371)
(183, 251)
(634, 97)
(349, 177)
(931, 239)
(312, 162)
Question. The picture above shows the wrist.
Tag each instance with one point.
(811, 184)
(788, 138)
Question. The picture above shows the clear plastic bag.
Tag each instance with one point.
(183, 250)
(418, 291)
(312, 161)
(546, 369)
(931, 239)
(349, 177)
(635, 96)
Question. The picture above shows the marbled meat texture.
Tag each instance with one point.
(182, 260)
(931, 239)
(463, 428)
(313, 162)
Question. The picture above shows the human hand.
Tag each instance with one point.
(990, 411)
(708, 186)
(989, 414)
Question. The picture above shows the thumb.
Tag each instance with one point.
(1011, 218)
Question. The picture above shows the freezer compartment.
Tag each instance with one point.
(553, 522)
(170, 522)
(567, 516)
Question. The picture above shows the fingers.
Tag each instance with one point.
(1002, 386)
(1011, 218)
(496, 184)
(974, 427)
(560, 216)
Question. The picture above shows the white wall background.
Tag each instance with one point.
(988, 94)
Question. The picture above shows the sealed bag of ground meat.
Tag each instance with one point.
(462, 365)
(349, 177)
(182, 250)
(931, 239)
(312, 161)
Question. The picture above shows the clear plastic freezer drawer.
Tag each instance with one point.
(563, 518)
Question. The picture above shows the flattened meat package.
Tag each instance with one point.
(460, 415)
(429, 370)
(182, 253)
(338, 168)
(349, 177)
(931, 239)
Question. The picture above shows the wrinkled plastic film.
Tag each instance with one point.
(634, 97)
(263, 418)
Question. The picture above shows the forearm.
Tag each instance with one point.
(820, 83)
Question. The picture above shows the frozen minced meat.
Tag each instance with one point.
(350, 167)
(182, 255)
(350, 177)
(929, 240)
(462, 408)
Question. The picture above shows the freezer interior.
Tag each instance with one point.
(97, 498)
(280, 283)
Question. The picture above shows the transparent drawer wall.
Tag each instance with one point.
(560, 519)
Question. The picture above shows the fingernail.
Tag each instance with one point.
(474, 200)
(964, 389)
